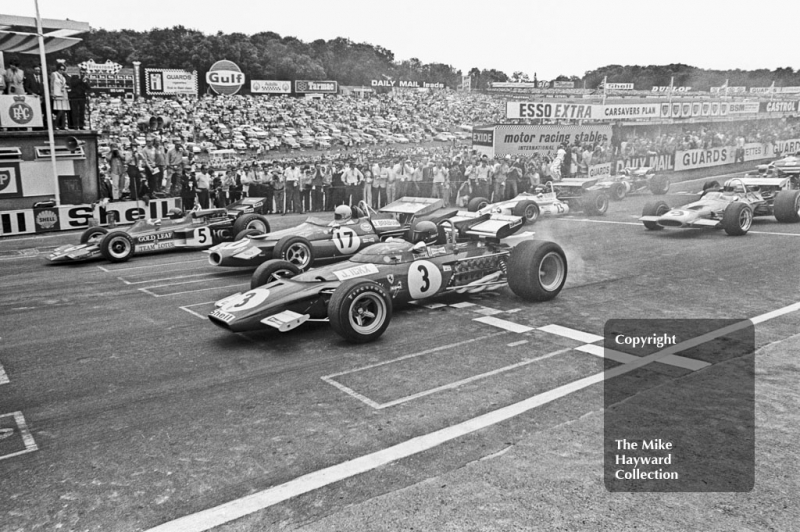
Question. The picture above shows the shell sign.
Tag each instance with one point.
(225, 77)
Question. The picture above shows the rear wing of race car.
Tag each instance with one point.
(777, 182)
(413, 206)
(493, 226)
(573, 183)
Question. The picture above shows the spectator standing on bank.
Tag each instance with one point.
(59, 94)
(188, 189)
(387, 171)
(513, 178)
(174, 160)
(368, 180)
(116, 171)
(79, 90)
(378, 186)
(147, 155)
(327, 180)
(440, 190)
(306, 178)
(338, 188)
(278, 190)
(316, 187)
(353, 179)
(483, 175)
(34, 85)
(402, 175)
(291, 177)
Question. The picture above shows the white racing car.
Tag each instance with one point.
(543, 202)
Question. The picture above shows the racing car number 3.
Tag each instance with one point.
(246, 301)
(346, 240)
(424, 279)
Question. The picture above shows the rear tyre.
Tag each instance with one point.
(476, 204)
(360, 311)
(659, 185)
(272, 270)
(537, 270)
(595, 202)
(787, 206)
(529, 211)
(618, 191)
(247, 232)
(295, 249)
(93, 233)
(737, 219)
(117, 247)
(654, 208)
(250, 221)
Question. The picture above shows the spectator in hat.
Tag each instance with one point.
(59, 94)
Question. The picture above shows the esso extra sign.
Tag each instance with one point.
(225, 77)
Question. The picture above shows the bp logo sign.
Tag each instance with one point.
(225, 77)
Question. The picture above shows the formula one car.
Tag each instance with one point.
(786, 167)
(731, 208)
(543, 202)
(633, 180)
(581, 194)
(198, 229)
(357, 296)
(317, 241)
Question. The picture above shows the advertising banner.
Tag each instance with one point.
(778, 106)
(660, 163)
(743, 108)
(691, 159)
(319, 87)
(525, 140)
(787, 147)
(10, 180)
(405, 84)
(789, 90)
(618, 86)
(728, 90)
(662, 88)
(483, 137)
(626, 111)
(20, 111)
(270, 86)
(225, 77)
(600, 170)
(166, 81)
(549, 110)
(563, 84)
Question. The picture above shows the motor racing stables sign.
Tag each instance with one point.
(20, 111)
(526, 140)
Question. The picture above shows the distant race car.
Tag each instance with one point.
(633, 180)
(199, 229)
(581, 195)
(317, 241)
(357, 296)
(543, 202)
(732, 208)
(786, 166)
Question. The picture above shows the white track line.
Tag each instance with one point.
(775, 313)
(171, 278)
(193, 312)
(625, 358)
(504, 324)
(27, 439)
(155, 265)
(148, 292)
(639, 224)
(3, 376)
(515, 344)
(230, 511)
(566, 332)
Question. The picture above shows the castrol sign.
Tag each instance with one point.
(225, 77)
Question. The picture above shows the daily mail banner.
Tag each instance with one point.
(660, 163)
(691, 159)
(270, 86)
(581, 111)
(527, 140)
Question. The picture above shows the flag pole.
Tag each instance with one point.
(48, 107)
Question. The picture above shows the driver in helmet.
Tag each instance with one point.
(426, 232)
(342, 214)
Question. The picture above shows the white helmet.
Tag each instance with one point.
(342, 213)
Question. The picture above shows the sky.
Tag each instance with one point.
(545, 37)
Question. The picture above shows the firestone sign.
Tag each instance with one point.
(225, 77)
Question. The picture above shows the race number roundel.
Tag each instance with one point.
(346, 240)
(424, 279)
(246, 301)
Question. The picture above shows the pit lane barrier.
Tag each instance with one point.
(46, 218)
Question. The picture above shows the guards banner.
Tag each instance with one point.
(167, 81)
(526, 140)
(691, 159)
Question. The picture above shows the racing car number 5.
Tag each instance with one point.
(424, 279)
(346, 240)
(201, 237)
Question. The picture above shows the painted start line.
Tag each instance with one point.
(225, 513)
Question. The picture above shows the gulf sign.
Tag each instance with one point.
(225, 77)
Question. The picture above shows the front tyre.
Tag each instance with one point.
(272, 270)
(595, 202)
(117, 247)
(654, 208)
(476, 204)
(537, 270)
(360, 311)
(529, 211)
(295, 249)
(93, 233)
(737, 219)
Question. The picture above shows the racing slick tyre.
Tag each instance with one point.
(295, 249)
(787, 206)
(250, 221)
(476, 204)
(117, 246)
(618, 191)
(93, 232)
(737, 219)
(272, 270)
(595, 202)
(241, 235)
(360, 310)
(654, 208)
(529, 211)
(659, 185)
(710, 186)
(537, 270)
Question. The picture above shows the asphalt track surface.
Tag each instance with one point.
(123, 408)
